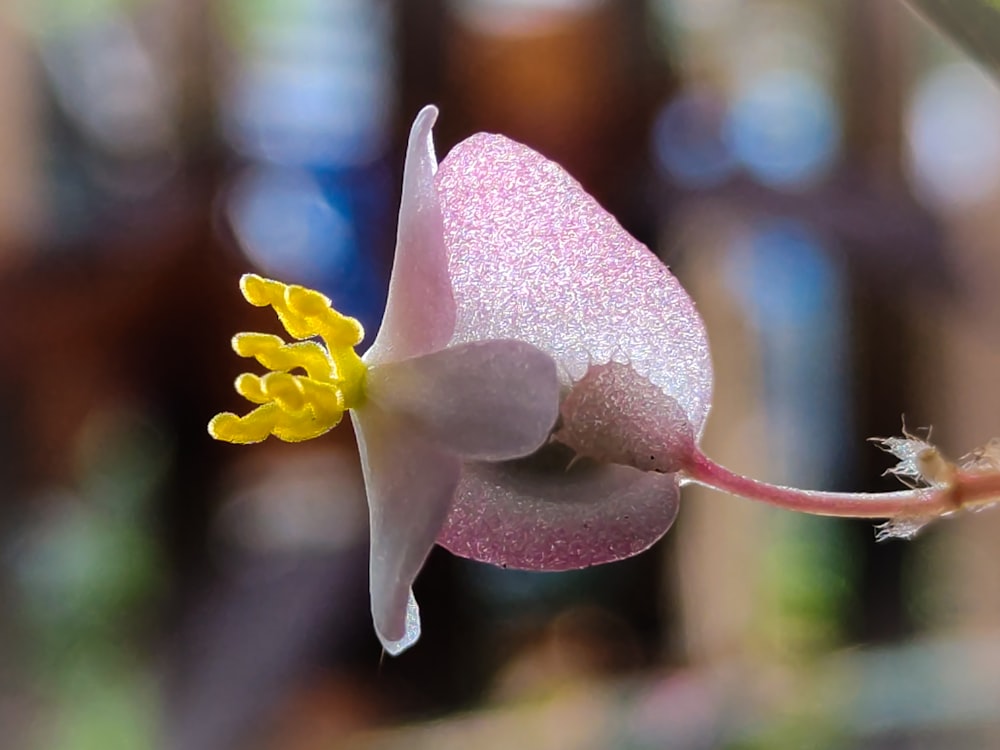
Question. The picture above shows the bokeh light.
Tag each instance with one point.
(953, 136)
(313, 83)
(288, 227)
(689, 142)
(784, 128)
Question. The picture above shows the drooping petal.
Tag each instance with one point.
(488, 400)
(420, 310)
(533, 257)
(410, 484)
(537, 514)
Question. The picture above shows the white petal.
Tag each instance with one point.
(487, 400)
(410, 484)
(420, 311)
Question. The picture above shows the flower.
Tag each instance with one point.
(533, 257)
(422, 404)
(537, 390)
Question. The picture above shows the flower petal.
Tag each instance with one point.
(420, 310)
(533, 257)
(410, 484)
(614, 415)
(537, 514)
(488, 400)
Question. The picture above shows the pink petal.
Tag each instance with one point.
(420, 311)
(410, 484)
(614, 415)
(533, 257)
(490, 400)
(534, 514)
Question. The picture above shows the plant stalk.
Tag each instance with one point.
(965, 489)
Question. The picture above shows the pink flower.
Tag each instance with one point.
(435, 403)
(532, 256)
(421, 404)
(511, 291)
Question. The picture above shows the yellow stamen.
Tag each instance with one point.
(295, 407)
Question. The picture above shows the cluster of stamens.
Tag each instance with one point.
(295, 407)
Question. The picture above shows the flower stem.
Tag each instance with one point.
(965, 489)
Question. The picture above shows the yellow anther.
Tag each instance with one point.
(250, 344)
(252, 428)
(276, 355)
(307, 302)
(295, 407)
(259, 291)
(284, 390)
(303, 312)
(249, 387)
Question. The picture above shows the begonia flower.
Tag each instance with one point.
(421, 404)
(537, 391)
(533, 256)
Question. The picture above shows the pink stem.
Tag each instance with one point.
(965, 489)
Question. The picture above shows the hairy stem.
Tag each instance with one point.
(965, 489)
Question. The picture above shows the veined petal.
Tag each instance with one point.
(410, 484)
(488, 400)
(420, 310)
(537, 514)
(534, 257)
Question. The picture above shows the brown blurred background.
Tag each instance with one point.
(822, 176)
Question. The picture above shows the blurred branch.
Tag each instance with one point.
(973, 24)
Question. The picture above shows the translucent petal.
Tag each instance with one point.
(420, 311)
(533, 257)
(488, 400)
(410, 484)
(537, 514)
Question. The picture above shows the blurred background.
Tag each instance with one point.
(824, 178)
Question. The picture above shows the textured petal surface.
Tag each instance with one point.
(410, 484)
(614, 415)
(420, 310)
(489, 400)
(535, 514)
(533, 257)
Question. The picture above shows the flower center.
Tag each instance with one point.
(295, 407)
